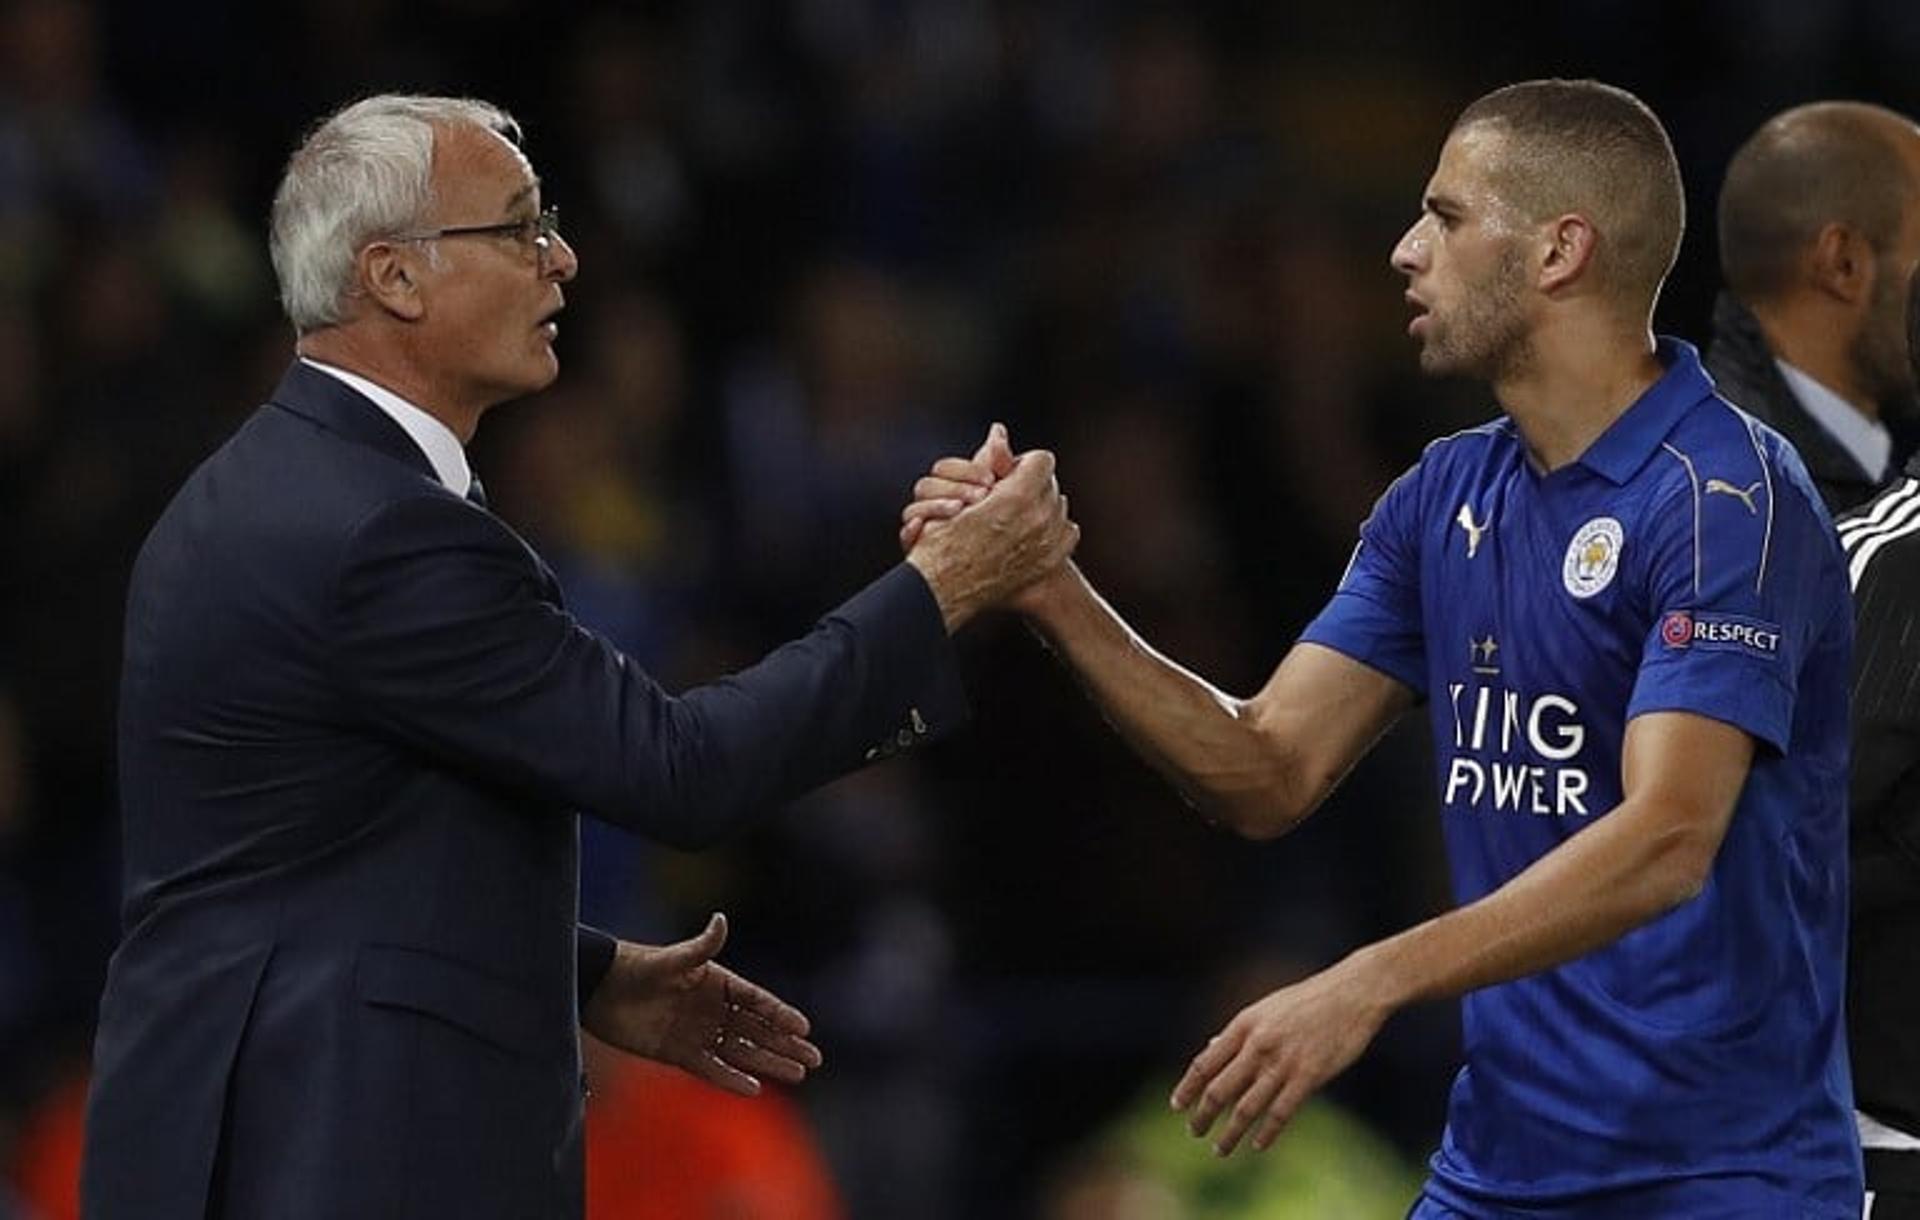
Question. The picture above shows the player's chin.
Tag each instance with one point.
(1436, 361)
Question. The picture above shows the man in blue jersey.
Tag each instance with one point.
(1626, 612)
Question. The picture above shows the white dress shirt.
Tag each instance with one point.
(436, 440)
(1865, 440)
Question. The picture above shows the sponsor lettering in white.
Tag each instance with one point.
(1517, 787)
(1489, 722)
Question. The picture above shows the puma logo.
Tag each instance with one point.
(1726, 488)
(1474, 530)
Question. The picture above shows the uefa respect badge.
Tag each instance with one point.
(1717, 632)
(1676, 629)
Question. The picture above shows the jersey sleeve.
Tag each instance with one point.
(1374, 616)
(1741, 577)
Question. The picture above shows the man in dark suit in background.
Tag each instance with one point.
(356, 719)
(1819, 232)
(1882, 542)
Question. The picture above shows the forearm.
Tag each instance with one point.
(1207, 743)
(1611, 878)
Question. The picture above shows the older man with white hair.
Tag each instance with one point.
(356, 719)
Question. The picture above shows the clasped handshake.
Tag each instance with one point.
(989, 531)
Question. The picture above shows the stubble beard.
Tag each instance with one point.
(1879, 352)
(1488, 339)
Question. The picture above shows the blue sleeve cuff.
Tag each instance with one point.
(1730, 689)
(1358, 627)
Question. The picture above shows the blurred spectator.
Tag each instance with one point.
(827, 432)
(626, 80)
(209, 258)
(64, 147)
(21, 978)
(45, 1167)
(1327, 1165)
(663, 1146)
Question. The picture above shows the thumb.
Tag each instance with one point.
(686, 954)
(1031, 469)
(995, 454)
(999, 450)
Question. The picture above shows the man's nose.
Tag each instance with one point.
(1410, 254)
(562, 263)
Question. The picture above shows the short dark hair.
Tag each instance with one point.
(1804, 169)
(1588, 147)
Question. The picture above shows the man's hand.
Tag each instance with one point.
(954, 483)
(972, 548)
(990, 547)
(676, 1005)
(1277, 1052)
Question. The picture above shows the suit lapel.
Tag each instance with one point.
(344, 411)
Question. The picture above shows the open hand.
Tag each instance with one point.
(676, 1005)
(1275, 1053)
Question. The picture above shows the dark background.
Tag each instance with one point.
(822, 242)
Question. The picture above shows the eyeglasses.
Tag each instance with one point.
(536, 233)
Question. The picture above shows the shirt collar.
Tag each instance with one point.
(1866, 440)
(436, 440)
(1630, 440)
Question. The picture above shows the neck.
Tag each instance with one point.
(1577, 383)
(1817, 339)
(384, 364)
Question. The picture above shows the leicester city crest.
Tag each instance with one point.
(1592, 557)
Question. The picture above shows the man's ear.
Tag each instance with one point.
(1567, 250)
(388, 276)
(1840, 262)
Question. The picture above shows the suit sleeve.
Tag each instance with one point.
(592, 958)
(451, 638)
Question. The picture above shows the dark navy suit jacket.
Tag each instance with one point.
(355, 721)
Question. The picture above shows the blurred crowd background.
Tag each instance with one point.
(823, 242)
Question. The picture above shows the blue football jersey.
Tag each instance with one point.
(1696, 1066)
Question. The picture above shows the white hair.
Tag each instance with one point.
(365, 172)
